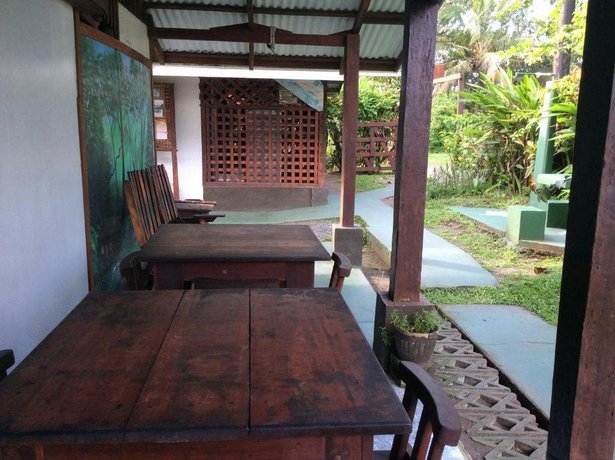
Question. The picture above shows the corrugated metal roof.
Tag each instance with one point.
(379, 42)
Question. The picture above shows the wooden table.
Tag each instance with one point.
(220, 374)
(231, 252)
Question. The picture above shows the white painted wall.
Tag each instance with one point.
(188, 128)
(133, 32)
(43, 269)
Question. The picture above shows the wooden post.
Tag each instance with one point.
(349, 133)
(581, 418)
(412, 148)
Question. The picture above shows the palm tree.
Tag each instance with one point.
(474, 34)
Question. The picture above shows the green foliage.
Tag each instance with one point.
(423, 322)
(378, 101)
(474, 34)
(449, 181)
(503, 137)
(444, 122)
(565, 111)
(539, 49)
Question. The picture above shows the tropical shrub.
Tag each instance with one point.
(451, 181)
(503, 138)
(378, 101)
(565, 111)
(444, 122)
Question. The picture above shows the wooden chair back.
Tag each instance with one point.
(341, 270)
(136, 274)
(164, 194)
(7, 359)
(150, 203)
(439, 425)
(141, 207)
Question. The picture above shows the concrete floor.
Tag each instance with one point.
(519, 343)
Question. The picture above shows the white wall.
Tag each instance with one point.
(133, 32)
(188, 129)
(43, 270)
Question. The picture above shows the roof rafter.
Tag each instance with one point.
(360, 18)
(153, 40)
(259, 34)
(299, 62)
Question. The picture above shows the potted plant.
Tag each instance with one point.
(416, 335)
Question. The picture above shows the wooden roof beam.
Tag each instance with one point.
(260, 34)
(250, 8)
(383, 17)
(298, 62)
(360, 17)
(154, 44)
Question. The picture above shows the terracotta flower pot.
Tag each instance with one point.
(415, 347)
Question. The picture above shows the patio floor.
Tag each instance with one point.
(518, 343)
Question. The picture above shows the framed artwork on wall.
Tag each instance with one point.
(117, 133)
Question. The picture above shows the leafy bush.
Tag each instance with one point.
(444, 122)
(378, 101)
(423, 322)
(451, 181)
(565, 111)
(507, 131)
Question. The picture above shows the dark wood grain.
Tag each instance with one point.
(181, 253)
(198, 387)
(224, 374)
(83, 380)
(412, 149)
(199, 243)
(313, 368)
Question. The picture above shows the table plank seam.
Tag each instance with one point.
(149, 371)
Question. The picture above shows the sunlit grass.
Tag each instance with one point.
(525, 278)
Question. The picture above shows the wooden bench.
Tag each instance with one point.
(150, 203)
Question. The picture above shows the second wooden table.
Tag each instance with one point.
(233, 252)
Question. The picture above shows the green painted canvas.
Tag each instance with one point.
(117, 108)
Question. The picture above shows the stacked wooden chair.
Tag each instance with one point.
(439, 425)
(150, 204)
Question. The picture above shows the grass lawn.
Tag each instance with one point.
(367, 182)
(525, 278)
(438, 159)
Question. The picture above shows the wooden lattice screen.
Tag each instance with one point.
(376, 145)
(257, 134)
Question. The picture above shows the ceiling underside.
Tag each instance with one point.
(297, 34)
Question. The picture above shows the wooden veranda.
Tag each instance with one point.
(582, 423)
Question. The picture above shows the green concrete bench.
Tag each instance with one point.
(525, 223)
(557, 210)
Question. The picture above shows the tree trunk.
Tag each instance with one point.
(561, 63)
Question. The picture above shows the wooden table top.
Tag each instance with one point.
(223, 242)
(156, 366)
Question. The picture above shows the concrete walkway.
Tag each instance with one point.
(444, 264)
(519, 343)
(516, 341)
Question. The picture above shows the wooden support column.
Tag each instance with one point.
(412, 148)
(346, 237)
(349, 130)
(581, 420)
